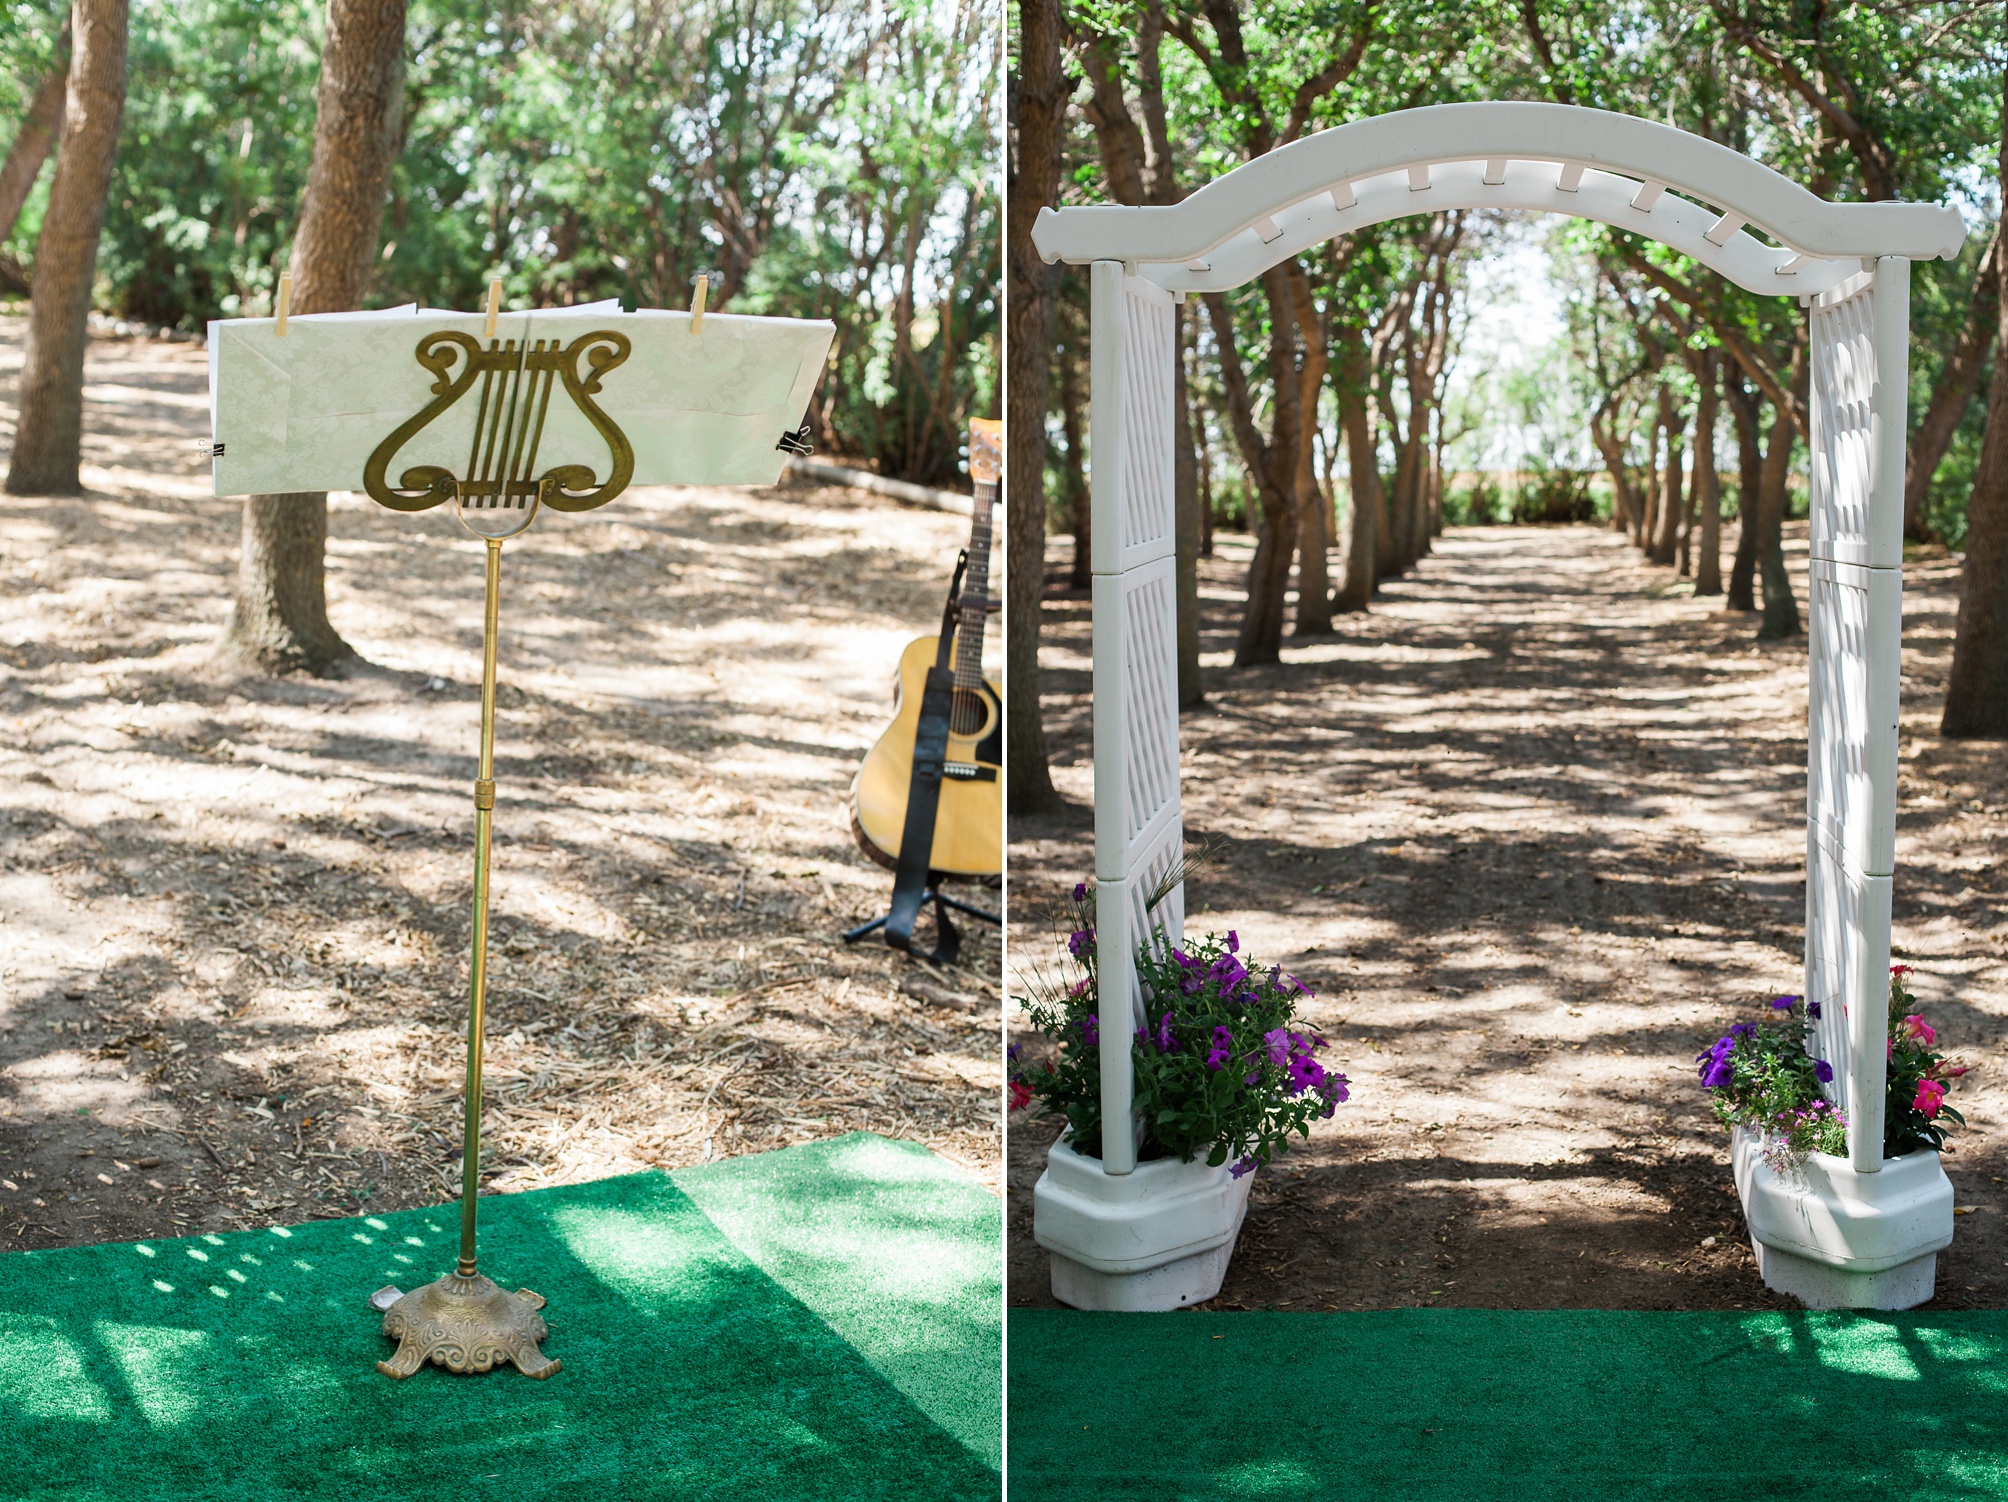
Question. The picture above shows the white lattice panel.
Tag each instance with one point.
(1843, 389)
(1136, 714)
(1860, 367)
(1858, 404)
(1128, 912)
(1133, 368)
(1851, 712)
(1847, 974)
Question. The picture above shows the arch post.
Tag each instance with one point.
(1859, 392)
(1138, 833)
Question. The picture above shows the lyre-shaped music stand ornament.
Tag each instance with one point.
(506, 402)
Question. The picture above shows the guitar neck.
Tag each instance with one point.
(975, 592)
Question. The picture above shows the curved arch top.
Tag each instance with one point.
(1237, 213)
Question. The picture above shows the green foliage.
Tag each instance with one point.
(1761, 1076)
(1221, 1069)
(1479, 504)
(1554, 496)
(833, 160)
(1915, 1113)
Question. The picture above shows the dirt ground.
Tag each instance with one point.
(234, 911)
(1530, 830)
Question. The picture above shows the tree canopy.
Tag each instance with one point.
(827, 159)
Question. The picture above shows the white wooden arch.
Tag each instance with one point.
(1848, 263)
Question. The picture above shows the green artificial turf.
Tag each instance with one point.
(241, 1366)
(1494, 1404)
(895, 1254)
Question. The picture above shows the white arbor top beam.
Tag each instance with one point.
(1555, 158)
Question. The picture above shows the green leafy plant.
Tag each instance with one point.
(1915, 1113)
(1760, 1076)
(1224, 1067)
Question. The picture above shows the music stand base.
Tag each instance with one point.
(464, 1325)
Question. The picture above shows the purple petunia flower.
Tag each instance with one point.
(1245, 1166)
(1782, 1003)
(1822, 1071)
(1233, 942)
(1305, 1073)
(1813, 1010)
(1080, 891)
(1091, 1030)
(1223, 1045)
(1716, 1069)
(1277, 1043)
(1080, 941)
(1333, 1089)
(1014, 1050)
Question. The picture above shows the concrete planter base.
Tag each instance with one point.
(1158, 1238)
(1836, 1239)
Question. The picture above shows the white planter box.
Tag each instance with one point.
(1836, 1239)
(1154, 1239)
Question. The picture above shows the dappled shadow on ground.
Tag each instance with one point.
(237, 908)
(1531, 829)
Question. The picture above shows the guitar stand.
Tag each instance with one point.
(948, 938)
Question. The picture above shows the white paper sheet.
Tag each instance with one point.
(304, 412)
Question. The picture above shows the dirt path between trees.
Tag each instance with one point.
(1529, 830)
(233, 912)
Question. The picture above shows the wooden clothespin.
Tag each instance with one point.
(703, 281)
(494, 306)
(285, 302)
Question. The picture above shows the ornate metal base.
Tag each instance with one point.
(464, 1325)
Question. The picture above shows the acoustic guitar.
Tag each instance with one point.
(969, 828)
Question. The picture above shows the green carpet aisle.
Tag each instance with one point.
(895, 1251)
(240, 1366)
(1477, 1405)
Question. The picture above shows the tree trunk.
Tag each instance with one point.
(1655, 476)
(1074, 429)
(1625, 505)
(1707, 486)
(1672, 478)
(1206, 502)
(49, 428)
(1387, 541)
(1956, 385)
(279, 619)
(32, 142)
(1185, 475)
(1976, 690)
(1272, 463)
(1781, 609)
(1745, 407)
(1362, 546)
(1039, 103)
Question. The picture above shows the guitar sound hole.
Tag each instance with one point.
(968, 712)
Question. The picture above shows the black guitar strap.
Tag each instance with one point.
(923, 799)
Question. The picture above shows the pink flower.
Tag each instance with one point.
(1021, 1095)
(1930, 1095)
(1899, 970)
(1920, 1029)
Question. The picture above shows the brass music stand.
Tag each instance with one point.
(464, 1321)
